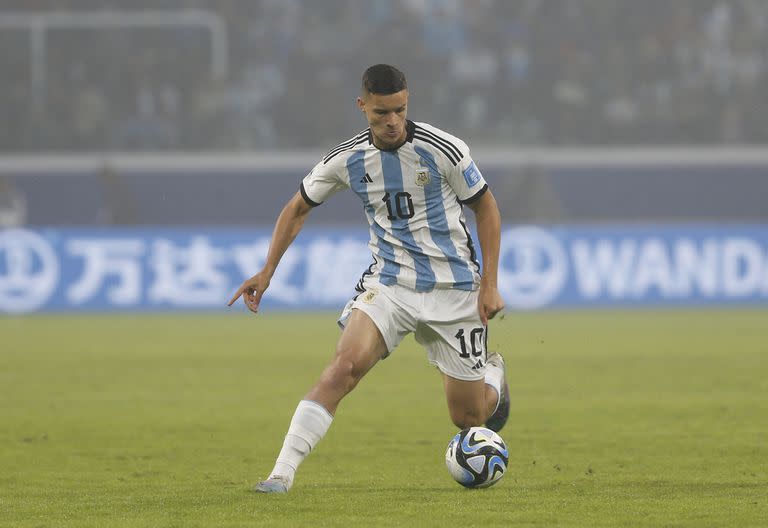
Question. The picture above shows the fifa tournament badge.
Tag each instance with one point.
(422, 176)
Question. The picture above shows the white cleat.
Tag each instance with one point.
(274, 484)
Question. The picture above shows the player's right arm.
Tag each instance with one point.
(288, 225)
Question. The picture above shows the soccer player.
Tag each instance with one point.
(413, 180)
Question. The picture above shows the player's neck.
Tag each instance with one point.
(390, 146)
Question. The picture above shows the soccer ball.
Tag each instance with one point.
(477, 457)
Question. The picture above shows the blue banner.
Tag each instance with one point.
(93, 270)
(627, 266)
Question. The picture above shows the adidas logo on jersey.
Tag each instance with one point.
(366, 179)
(478, 365)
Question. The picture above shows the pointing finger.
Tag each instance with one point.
(236, 296)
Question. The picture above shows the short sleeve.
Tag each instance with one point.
(465, 178)
(323, 181)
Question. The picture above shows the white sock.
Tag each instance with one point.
(309, 424)
(494, 376)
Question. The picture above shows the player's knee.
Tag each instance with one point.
(344, 373)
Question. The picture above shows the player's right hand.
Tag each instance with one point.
(251, 291)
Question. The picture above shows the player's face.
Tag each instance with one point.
(386, 117)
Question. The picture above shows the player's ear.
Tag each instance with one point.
(361, 104)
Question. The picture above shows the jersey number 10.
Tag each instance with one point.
(403, 205)
(475, 341)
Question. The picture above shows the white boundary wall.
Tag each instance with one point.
(305, 159)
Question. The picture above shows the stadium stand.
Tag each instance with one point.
(554, 72)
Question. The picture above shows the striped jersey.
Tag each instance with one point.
(412, 197)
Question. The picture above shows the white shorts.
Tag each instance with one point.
(445, 322)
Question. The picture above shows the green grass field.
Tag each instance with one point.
(629, 419)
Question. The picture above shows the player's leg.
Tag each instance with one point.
(358, 350)
(360, 347)
(473, 378)
(472, 384)
(470, 403)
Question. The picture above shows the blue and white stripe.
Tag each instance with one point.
(463, 278)
(385, 250)
(393, 184)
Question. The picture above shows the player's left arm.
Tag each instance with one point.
(488, 221)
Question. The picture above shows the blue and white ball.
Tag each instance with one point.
(477, 457)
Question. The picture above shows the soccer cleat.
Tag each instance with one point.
(499, 417)
(274, 484)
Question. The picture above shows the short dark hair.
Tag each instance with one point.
(383, 79)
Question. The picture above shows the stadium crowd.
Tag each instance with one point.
(556, 72)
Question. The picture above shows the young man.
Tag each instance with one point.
(413, 180)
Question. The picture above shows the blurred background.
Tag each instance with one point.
(238, 74)
(200, 114)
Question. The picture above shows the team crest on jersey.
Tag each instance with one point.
(422, 176)
(369, 296)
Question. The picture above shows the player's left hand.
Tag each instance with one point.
(489, 303)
